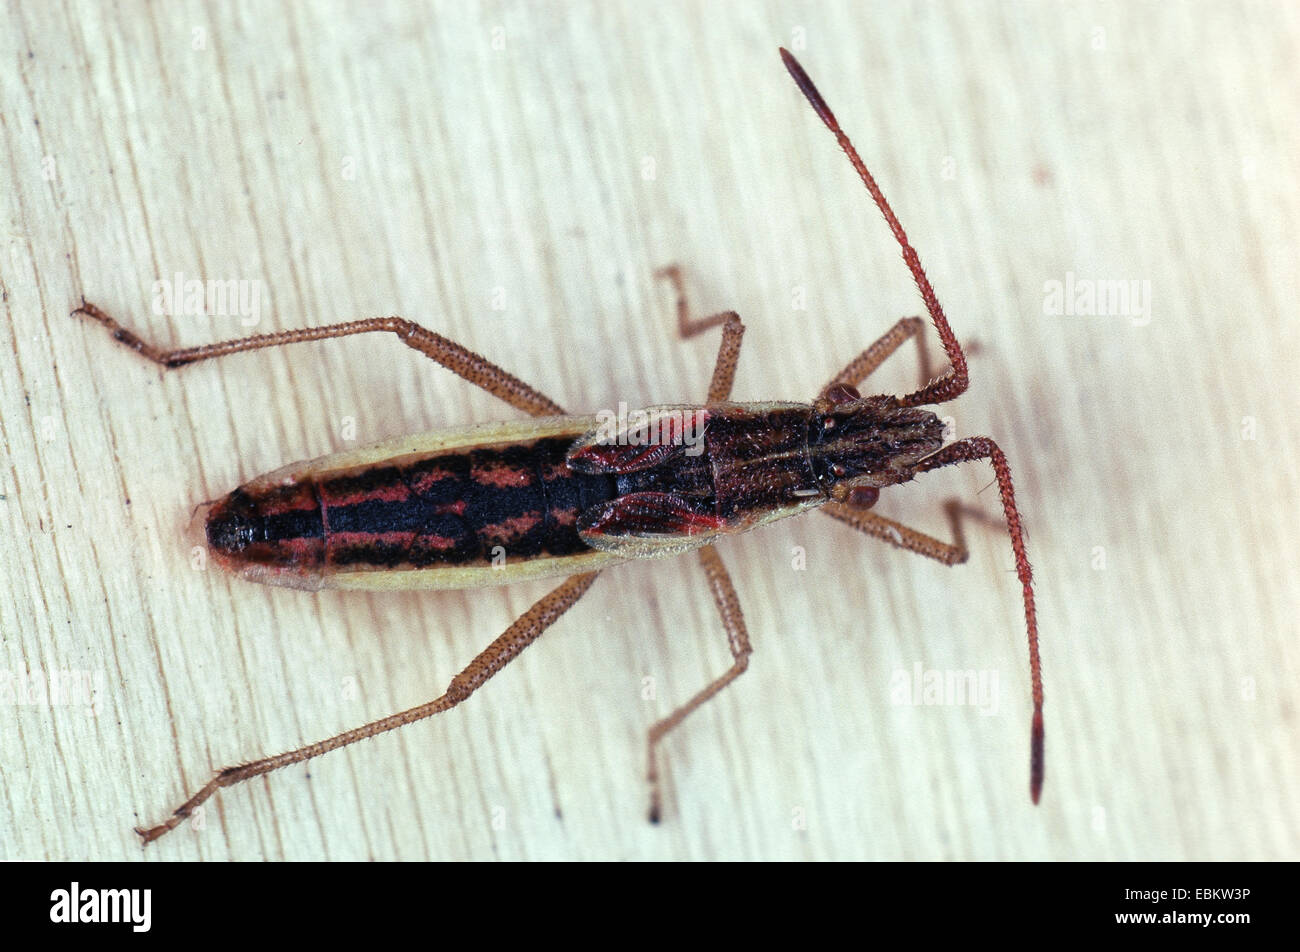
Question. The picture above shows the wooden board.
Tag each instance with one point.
(511, 177)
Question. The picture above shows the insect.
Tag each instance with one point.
(561, 495)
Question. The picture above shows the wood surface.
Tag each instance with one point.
(511, 175)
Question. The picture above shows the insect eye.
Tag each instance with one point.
(842, 393)
(838, 470)
(863, 497)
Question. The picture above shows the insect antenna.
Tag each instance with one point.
(950, 385)
(954, 382)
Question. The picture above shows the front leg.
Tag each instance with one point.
(863, 365)
(904, 537)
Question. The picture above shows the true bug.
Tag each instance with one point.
(562, 495)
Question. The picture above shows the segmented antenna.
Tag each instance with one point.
(950, 385)
(954, 382)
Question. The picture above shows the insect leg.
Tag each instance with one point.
(981, 447)
(459, 360)
(863, 365)
(724, 371)
(902, 537)
(526, 629)
(733, 621)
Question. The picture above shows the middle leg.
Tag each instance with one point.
(733, 622)
(724, 371)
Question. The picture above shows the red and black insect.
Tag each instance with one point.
(562, 495)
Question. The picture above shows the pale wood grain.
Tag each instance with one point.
(1018, 143)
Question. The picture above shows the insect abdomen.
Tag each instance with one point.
(470, 507)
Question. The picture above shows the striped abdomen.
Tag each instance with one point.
(473, 508)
